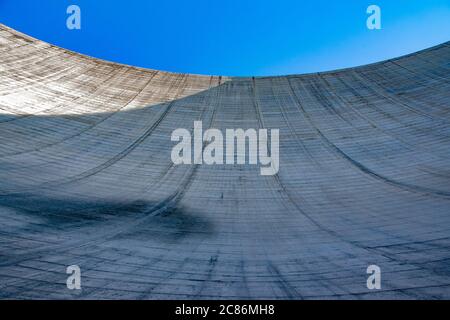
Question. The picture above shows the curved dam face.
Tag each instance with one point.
(87, 179)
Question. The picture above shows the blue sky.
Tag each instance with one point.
(235, 37)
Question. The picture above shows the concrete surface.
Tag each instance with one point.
(86, 179)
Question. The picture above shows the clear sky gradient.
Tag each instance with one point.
(235, 37)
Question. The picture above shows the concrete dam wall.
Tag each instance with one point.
(86, 179)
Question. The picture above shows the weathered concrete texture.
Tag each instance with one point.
(86, 179)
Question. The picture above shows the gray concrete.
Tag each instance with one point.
(86, 178)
